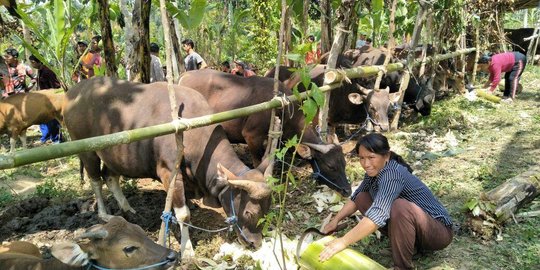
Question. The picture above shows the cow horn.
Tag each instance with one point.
(363, 91)
(97, 234)
(256, 190)
(323, 148)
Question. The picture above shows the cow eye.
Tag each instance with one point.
(130, 249)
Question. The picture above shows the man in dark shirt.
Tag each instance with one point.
(46, 79)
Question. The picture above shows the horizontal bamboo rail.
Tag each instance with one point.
(333, 76)
(29, 156)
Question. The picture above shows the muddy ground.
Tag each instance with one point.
(463, 149)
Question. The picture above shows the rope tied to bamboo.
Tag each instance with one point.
(285, 103)
(346, 78)
(282, 99)
(178, 124)
(275, 134)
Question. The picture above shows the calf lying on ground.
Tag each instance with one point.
(115, 245)
(20, 111)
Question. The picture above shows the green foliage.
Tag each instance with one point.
(5, 197)
(53, 39)
(129, 185)
(477, 207)
(191, 18)
(52, 189)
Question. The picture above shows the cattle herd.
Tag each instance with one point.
(210, 167)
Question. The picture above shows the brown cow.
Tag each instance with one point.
(20, 111)
(226, 92)
(100, 106)
(117, 244)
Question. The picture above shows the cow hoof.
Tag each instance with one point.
(188, 254)
(129, 209)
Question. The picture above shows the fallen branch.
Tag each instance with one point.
(489, 213)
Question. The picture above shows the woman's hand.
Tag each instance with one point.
(332, 248)
(330, 227)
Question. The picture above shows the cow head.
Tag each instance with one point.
(425, 96)
(328, 165)
(117, 245)
(247, 200)
(376, 103)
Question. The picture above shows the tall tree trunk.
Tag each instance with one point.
(140, 57)
(326, 26)
(305, 17)
(344, 14)
(351, 40)
(177, 57)
(128, 35)
(106, 36)
(287, 45)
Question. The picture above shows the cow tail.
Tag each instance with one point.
(81, 171)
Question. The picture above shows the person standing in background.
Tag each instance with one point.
(156, 72)
(193, 60)
(46, 79)
(17, 74)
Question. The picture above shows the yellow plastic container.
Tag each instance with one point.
(347, 259)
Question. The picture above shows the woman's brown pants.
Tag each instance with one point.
(409, 227)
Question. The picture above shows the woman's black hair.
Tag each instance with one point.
(378, 144)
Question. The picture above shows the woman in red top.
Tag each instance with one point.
(512, 63)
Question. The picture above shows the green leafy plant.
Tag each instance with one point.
(5, 197)
(51, 189)
(61, 19)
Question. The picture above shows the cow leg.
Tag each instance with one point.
(186, 247)
(180, 208)
(255, 146)
(91, 164)
(12, 144)
(22, 137)
(113, 183)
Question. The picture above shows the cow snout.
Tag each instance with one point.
(251, 240)
(172, 258)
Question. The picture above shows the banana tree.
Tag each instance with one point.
(53, 24)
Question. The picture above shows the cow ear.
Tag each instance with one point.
(304, 151)
(224, 173)
(70, 254)
(394, 97)
(356, 98)
(332, 138)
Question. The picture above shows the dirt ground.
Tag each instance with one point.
(464, 148)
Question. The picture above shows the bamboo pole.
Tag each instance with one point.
(333, 76)
(344, 17)
(174, 115)
(272, 128)
(29, 156)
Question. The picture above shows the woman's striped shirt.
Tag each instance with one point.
(395, 181)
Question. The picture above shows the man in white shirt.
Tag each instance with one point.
(156, 72)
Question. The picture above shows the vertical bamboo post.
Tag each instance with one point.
(391, 42)
(477, 53)
(172, 100)
(274, 129)
(410, 57)
(344, 18)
